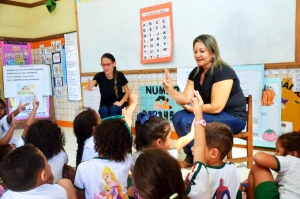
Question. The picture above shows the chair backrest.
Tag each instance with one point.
(249, 125)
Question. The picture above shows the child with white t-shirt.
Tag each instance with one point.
(224, 176)
(105, 176)
(5, 121)
(155, 132)
(50, 139)
(84, 126)
(157, 175)
(286, 162)
(27, 174)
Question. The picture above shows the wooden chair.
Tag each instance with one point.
(247, 136)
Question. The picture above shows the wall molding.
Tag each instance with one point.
(49, 37)
(24, 5)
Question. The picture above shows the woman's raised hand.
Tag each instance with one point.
(89, 86)
(167, 83)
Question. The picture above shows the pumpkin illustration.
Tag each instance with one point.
(270, 135)
(268, 96)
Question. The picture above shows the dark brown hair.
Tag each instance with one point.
(157, 175)
(113, 140)
(153, 129)
(220, 136)
(47, 136)
(115, 72)
(19, 170)
(83, 129)
(290, 142)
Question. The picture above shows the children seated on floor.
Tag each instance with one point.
(6, 121)
(27, 174)
(224, 176)
(156, 175)
(105, 176)
(286, 162)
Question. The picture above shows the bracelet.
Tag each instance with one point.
(201, 122)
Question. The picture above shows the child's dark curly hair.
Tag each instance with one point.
(290, 142)
(83, 129)
(113, 139)
(47, 136)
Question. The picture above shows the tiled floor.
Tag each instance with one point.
(71, 147)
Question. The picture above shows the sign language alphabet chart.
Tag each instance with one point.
(156, 33)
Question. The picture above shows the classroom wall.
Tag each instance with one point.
(14, 21)
(61, 20)
(37, 22)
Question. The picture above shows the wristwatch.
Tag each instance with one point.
(201, 122)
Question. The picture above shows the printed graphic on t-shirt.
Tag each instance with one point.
(111, 188)
(221, 191)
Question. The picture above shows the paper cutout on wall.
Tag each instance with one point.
(290, 105)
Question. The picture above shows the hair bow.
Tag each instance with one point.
(142, 117)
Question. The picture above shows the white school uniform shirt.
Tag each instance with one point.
(89, 149)
(57, 163)
(288, 176)
(197, 182)
(224, 181)
(45, 191)
(90, 177)
(172, 152)
(4, 126)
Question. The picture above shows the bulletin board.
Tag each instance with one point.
(248, 32)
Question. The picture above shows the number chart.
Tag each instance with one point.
(156, 33)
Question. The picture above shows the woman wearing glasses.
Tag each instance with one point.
(113, 87)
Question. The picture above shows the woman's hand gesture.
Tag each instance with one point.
(167, 83)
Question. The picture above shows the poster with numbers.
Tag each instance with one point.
(156, 33)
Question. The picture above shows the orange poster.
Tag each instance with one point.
(156, 33)
(290, 105)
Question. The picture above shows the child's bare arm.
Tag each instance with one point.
(199, 139)
(5, 140)
(265, 160)
(67, 184)
(20, 108)
(133, 98)
(31, 117)
(185, 140)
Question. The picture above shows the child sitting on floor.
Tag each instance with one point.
(49, 138)
(105, 176)
(27, 174)
(155, 132)
(6, 121)
(84, 126)
(224, 176)
(155, 175)
(286, 162)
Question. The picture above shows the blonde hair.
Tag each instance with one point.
(107, 171)
(212, 46)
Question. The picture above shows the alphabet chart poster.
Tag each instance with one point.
(156, 33)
